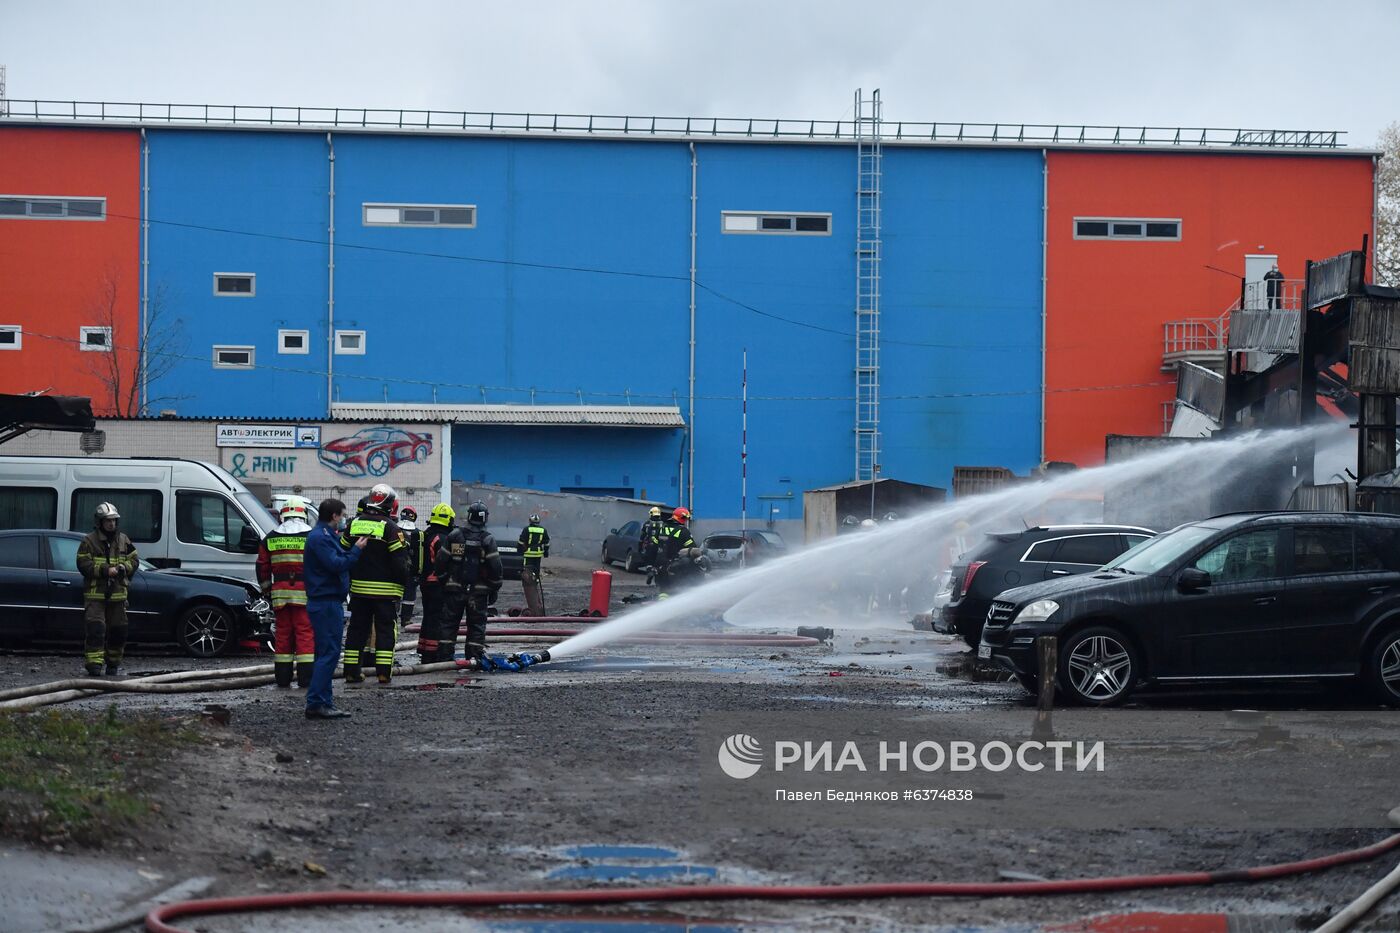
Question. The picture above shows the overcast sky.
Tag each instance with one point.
(1226, 63)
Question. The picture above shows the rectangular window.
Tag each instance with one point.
(11, 337)
(1321, 550)
(775, 222)
(233, 357)
(1126, 228)
(140, 510)
(350, 342)
(95, 339)
(51, 207)
(209, 519)
(293, 341)
(235, 284)
(28, 507)
(20, 552)
(419, 215)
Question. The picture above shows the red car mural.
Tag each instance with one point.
(375, 451)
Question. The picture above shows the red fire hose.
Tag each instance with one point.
(157, 921)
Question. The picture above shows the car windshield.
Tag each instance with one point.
(1154, 554)
(261, 517)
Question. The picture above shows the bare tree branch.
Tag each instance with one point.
(1387, 263)
(134, 359)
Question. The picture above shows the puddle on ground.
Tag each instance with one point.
(619, 863)
(628, 852)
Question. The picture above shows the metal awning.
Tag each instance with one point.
(601, 416)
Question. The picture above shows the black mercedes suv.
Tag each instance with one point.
(1028, 555)
(1248, 598)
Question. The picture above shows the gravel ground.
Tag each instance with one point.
(454, 782)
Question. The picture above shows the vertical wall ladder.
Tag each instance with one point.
(867, 124)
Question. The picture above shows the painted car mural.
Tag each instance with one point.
(375, 451)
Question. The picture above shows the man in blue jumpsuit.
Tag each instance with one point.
(326, 569)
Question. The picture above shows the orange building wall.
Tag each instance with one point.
(53, 272)
(1107, 300)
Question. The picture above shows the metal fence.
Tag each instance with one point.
(1275, 295)
(1265, 331)
(1202, 389)
(623, 125)
(1194, 335)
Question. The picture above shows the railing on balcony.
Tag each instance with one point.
(1272, 295)
(1195, 335)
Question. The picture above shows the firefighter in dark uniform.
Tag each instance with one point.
(470, 568)
(430, 584)
(650, 542)
(107, 560)
(377, 584)
(534, 545)
(408, 524)
(675, 538)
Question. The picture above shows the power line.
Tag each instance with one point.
(587, 270)
(574, 393)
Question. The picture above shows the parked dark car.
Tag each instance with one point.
(624, 546)
(1029, 555)
(1246, 598)
(508, 543)
(205, 614)
(724, 548)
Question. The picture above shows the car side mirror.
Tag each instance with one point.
(613, 532)
(249, 540)
(1192, 580)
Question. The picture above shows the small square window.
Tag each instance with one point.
(293, 341)
(1127, 229)
(95, 339)
(381, 215)
(45, 208)
(12, 207)
(1091, 228)
(456, 216)
(776, 223)
(350, 342)
(813, 224)
(233, 357)
(91, 209)
(235, 284)
(1166, 230)
(419, 215)
(740, 223)
(11, 337)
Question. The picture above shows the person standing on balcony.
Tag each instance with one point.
(1273, 287)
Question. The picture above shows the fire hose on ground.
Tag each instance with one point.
(259, 675)
(159, 920)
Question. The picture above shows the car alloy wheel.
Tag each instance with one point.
(1099, 667)
(604, 558)
(631, 563)
(1384, 668)
(205, 631)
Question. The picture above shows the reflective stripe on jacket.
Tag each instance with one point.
(281, 568)
(96, 554)
(534, 541)
(382, 572)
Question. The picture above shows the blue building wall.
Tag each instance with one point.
(271, 188)
(474, 315)
(629, 462)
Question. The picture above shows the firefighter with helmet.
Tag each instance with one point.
(107, 560)
(676, 542)
(534, 544)
(649, 543)
(470, 567)
(377, 583)
(408, 524)
(430, 639)
(280, 570)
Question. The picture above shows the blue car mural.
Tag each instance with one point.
(375, 451)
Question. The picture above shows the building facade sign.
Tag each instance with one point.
(267, 435)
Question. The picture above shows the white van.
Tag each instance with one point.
(183, 514)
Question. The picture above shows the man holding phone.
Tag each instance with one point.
(326, 569)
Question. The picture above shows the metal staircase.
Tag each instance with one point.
(868, 169)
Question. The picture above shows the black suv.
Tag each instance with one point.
(1251, 598)
(1015, 558)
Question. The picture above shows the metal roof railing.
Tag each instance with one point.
(361, 118)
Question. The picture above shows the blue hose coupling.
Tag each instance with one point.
(525, 659)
